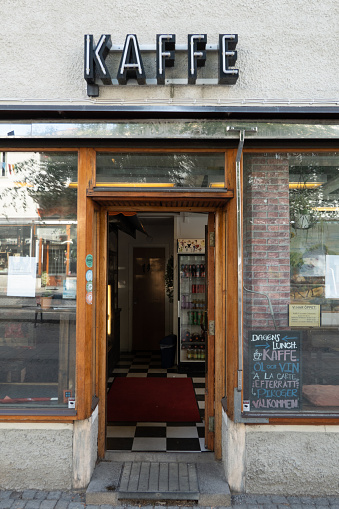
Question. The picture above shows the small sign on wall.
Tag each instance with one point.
(191, 246)
(304, 315)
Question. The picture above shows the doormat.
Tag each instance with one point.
(152, 399)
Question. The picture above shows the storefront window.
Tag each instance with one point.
(38, 254)
(291, 282)
(193, 170)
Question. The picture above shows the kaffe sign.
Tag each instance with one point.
(275, 370)
(131, 65)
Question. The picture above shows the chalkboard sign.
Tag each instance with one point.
(275, 370)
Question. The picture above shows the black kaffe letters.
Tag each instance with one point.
(131, 64)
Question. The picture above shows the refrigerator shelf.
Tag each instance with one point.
(187, 344)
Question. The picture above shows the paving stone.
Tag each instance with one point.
(6, 503)
(62, 504)
(255, 506)
(297, 506)
(334, 506)
(76, 505)
(5, 494)
(19, 504)
(279, 499)
(54, 495)
(66, 495)
(41, 495)
(263, 499)
(33, 504)
(77, 497)
(15, 495)
(248, 499)
(334, 500)
(28, 494)
(48, 504)
(321, 501)
(307, 500)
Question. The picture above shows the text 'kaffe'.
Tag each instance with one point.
(275, 370)
(131, 66)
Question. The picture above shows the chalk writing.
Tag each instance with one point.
(275, 370)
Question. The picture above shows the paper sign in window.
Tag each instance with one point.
(21, 276)
(332, 277)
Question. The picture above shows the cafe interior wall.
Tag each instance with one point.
(158, 235)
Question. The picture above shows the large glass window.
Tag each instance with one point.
(291, 282)
(38, 254)
(194, 170)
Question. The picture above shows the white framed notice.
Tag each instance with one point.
(332, 277)
(304, 315)
(21, 276)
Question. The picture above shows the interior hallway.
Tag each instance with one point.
(155, 436)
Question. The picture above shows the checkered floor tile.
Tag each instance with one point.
(155, 436)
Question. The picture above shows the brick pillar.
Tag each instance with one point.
(266, 240)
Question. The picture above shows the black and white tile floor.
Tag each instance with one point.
(155, 436)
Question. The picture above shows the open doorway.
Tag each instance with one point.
(158, 331)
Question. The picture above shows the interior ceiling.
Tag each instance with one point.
(129, 224)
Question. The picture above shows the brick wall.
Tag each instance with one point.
(266, 240)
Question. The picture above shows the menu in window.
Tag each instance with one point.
(274, 370)
(21, 276)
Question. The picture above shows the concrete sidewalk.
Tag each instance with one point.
(34, 499)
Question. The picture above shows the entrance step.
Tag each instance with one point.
(166, 477)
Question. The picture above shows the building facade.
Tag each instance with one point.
(126, 127)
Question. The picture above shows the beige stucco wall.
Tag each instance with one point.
(287, 50)
(289, 460)
(48, 456)
(36, 456)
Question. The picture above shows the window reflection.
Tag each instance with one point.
(291, 280)
(38, 246)
(161, 170)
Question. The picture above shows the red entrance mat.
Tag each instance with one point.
(152, 400)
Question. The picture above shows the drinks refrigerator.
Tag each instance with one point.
(192, 315)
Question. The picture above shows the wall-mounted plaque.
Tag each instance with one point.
(304, 315)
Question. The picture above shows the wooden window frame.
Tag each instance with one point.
(226, 338)
(55, 415)
(232, 343)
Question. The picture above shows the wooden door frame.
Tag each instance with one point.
(216, 362)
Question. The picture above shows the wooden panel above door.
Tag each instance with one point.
(123, 199)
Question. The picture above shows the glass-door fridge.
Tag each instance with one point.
(191, 313)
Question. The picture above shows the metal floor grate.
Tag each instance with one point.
(176, 480)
